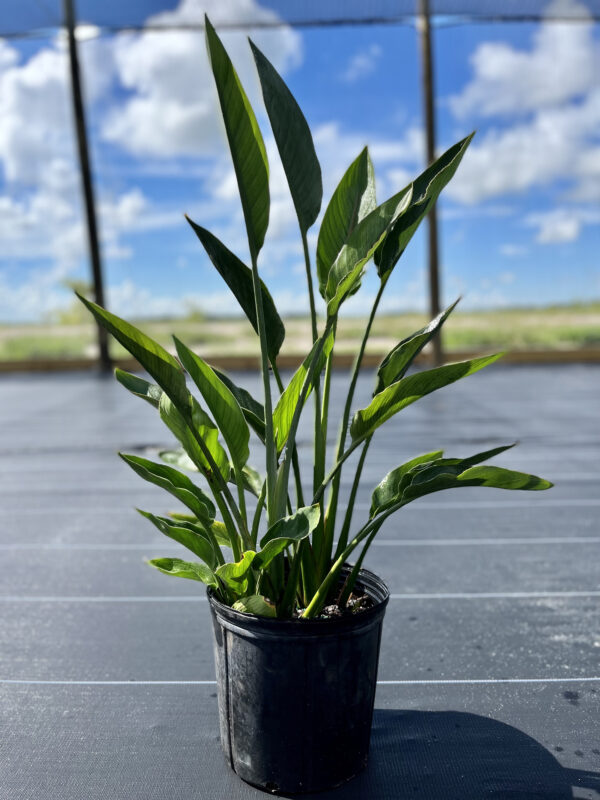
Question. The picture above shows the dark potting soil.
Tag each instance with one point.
(356, 604)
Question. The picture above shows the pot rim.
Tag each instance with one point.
(250, 624)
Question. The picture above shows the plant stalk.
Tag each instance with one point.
(343, 538)
(335, 487)
(271, 454)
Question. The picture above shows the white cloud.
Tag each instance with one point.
(561, 224)
(513, 250)
(552, 90)
(35, 297)
(362, 63)
(554, 145)
(562, 64)
(173, 103)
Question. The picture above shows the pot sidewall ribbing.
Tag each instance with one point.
(296, 696)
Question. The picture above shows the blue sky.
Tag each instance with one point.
(520, 224)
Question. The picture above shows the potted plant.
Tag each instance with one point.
(297, 627)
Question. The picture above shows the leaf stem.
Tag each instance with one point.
(284, 469)
(271, 454)
(343, 539)
(335, 488)
(257, 514)
(311, 293)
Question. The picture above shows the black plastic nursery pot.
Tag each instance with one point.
(296, 696)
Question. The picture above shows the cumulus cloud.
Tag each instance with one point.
(554, 145)
(549, 96)
(513, 250)
(561, 224)
(362, 64)
(172, 106)
(563, 63)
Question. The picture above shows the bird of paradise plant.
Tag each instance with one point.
(282, 558)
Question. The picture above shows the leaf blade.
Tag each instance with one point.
(238, 278)
(398, 360)
(174, 482)
(185, 569)
(426, 189)
(286, 405)
(245, 141)
(294, 142)
(353, 199)
(410, 389)
(190, 536)
(159, 363)
(221, 402)
(346, 271)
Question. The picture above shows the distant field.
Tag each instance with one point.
(558, 328)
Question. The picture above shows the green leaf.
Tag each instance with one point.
(186, 533)
(426, 189)
(218, 530)
(252, 410)
(206, 429)
(352, 200)
(235, 574)
(395, 364)
(175, 482)
(245, 142)
(221, 534)
(178, 458)
(239, 279)
(221, 402)
(286, 405)
(287, 531)
(501, 478)
(294, 142)
(428, 474)
(410, 389)
(450, 475)
(185, 569)
(255, 604)
(389, 491)
(347, 270)
(139, 387)
(160, 364)
(252, 480)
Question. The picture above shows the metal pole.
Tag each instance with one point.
(86, 177)
(424, 28)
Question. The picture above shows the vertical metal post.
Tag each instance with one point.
(424, 28)
(86, 177)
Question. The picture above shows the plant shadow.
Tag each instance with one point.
(452, 755)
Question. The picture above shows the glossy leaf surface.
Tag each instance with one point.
(174, 482)
(253, 411)
(426, 189)
(221, 402)
(161, 365)
(192, 570)
(410, 389)
(245, 142)
(286, 405)
(186, 533)
(346, 272)
(352, 200)
(205, 429)
(238, 278)
(255, 604)
(294, 142)
(396, 363)
(139, 387)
